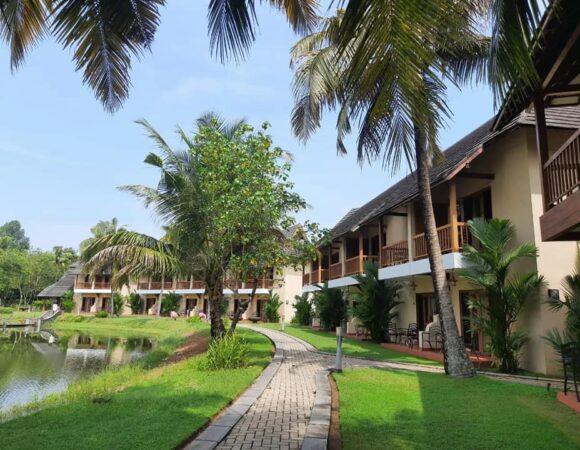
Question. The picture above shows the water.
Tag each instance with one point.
(33, 365)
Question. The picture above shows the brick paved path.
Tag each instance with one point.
(279, 418)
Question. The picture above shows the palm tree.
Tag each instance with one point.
(375, 300)
(388, 79)
(490, 269)
(101, 229)
(106, 35)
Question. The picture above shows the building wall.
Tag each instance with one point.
(291, 287)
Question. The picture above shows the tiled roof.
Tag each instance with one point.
(454, 157)
(66, 283)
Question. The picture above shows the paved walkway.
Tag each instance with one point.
(288, 407)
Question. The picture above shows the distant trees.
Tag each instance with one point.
(101, 229)
(12, 236)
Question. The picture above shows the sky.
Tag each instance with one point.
(62, 156)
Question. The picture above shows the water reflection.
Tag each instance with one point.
(33, 364)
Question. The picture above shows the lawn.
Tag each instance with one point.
(326, 342)
(408, 410)
(146, 404)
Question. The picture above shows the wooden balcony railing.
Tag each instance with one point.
(396, 253)
(335, 271)
(102, 285)
(183, 284)
(562, 172)
(319, 276)
(143, 285)
(263, 283)
(445, 240)
(156, 285)
(196, 284)
(306, 279)
(355, 265)
(84, 285)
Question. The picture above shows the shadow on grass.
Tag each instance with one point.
(388, 409)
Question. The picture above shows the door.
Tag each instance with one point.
(87, 303)
(149, 304)
(261, 308)
(426, 308)
(190, 304)
(105, 304)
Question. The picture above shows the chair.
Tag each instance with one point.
(571, 362)
(392, 333)
(433, 337)
(412, 334)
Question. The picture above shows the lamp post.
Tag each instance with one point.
(338, 364)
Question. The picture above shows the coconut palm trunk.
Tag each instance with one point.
(456, 361)
(158, 309)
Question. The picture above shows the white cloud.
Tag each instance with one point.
(189, 87)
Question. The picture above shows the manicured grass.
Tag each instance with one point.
(147, 405)
(326, 342)
(408, 410)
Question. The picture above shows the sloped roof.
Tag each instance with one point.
(65, 283)
(455, 157)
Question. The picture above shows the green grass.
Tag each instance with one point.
(326, 342)
(150, 406)
(408, 410)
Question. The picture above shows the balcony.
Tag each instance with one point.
(156, 285)
(561, 220)
(102, 285)
(262, 283)
(84, 285)
(335, 271)
(90, 285)
(353, 266)
(315, 277)
(445, 240)
(183, 284)
(143, 285)
(394, 254)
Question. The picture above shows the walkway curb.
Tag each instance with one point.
(316, 437)
(219, 428)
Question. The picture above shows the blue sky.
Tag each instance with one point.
(62, 156)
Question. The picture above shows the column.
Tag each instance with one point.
(453, 216)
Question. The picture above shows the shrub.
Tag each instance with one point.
(101, 314)
(118, 303)
(67, 304)
(330, 306)
(71, 318)
(170, 302)
(193, 319)
(303, 308)
(6, 310)
(375, 300)
(272, 306)
(230, 352)
(503, 295)
(135, 303)
(41, 304)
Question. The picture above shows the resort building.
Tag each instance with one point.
(93, 294)
(485, 174)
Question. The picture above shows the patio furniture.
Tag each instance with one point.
(255, 319)
(571, 362)
(433, 337)
(412, 335)
(392, 333)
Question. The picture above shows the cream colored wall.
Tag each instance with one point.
(291, 287)
(396, 227)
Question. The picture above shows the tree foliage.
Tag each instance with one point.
(13, 237)
(220, 200)
(375, 300)
(171, 302)
(504, 293)
(101, 229)
(330, 307)
(272, 306)
(303, 309)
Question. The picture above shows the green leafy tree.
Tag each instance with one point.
(119, 301)
(13, 236)
(272, 306)
(101, 229)
(215, 199)
(303, 309)
(68, 304)
(12, 263)
(330, 307)
(135, 303)
(571, 305)
(64, 257)
(105, 36)
(171, 302)
(504, 293)
(375, 300)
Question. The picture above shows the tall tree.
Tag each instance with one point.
(13, 236)
(387, 79)
(64, 257)
(101, 229)
(106, 35)
(215, 197)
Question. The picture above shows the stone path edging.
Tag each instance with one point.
(316, 437)
(219, 428)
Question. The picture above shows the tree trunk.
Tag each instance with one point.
(215, 294)
(457, 362)
(158, 312)
(242, 310)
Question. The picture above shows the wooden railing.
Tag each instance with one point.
(263, 283)
(183, 285)
(156, 285)
(102, 285)
(143, 285)
(319, 276)
(355, 265)
(305, 279)
(84, 285)
(562, 172)
(445, 240)
(335, 271)
(396, 253)
(197, 284)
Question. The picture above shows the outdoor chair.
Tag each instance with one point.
(571, 362)
(410, 335)
(433, 337)
(392, 333)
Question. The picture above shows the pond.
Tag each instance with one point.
(33, 365)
